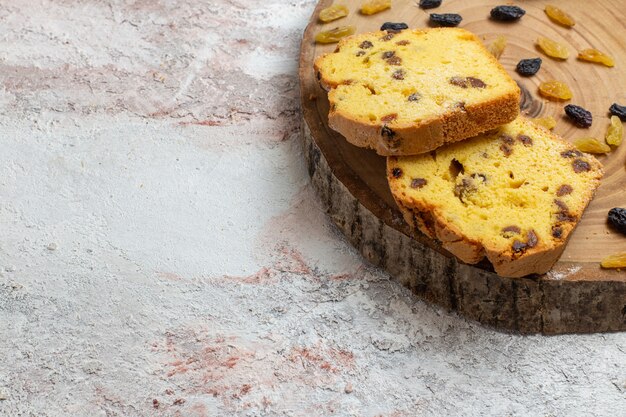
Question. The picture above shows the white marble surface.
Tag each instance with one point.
(162, 252)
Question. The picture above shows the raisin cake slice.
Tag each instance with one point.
(409, 92)
(513, 195)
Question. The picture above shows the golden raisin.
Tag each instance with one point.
(555, 90)
(617, 260)
(591, 145)
(334, 12)
(375, 6)
(593, 55)
(548, 122)
(497, 47)
(334, 35)
(559, 16)
(615, 132)
(552, 49)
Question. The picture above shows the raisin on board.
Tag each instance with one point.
(580, 116)
(507, 13)
(615, 132)
(334, 35)
(334, 12)
(552, 48)
(445, 19)
(617, 260)
(394, 27)
(591, 145)
(528, 67)
(497, 46)
(619, 111)
(617, 219)
(555, 90)
(430, 4)
(559, 16)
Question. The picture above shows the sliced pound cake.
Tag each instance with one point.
(409, 92)
(513, 194)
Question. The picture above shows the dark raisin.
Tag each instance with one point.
(394, 27)
(394, 60)
(387, 37)
(389, 117)
(526, 140)
(415, 97)
(557, 231)
(396, 172)
(531, 239)
(507, 13)
(386, 132)
(563, 215)
(388, 54)
(366, 45)
(476, 82)
(507, 139)
(528, 67)
(398, 74)
(581, 166)
(518, 246)
(511, 229)
(445, 19)
(430, 4)
(564, 189)
(506, 149)
(459, 82)
(360, 53)
(418, 182)
(617, 219)
(403, 42)
(619, 111)
(579, 116)
(571, 153)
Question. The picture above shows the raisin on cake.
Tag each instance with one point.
(409, 92)
(513, 195)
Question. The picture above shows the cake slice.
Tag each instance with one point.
(409, 92)
(513, 195)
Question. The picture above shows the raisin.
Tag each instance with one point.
(581, 166)
(507, 139)
(366, 45)
(430, 4)
(334, 35)
(375, 6)
(552, 49)
(528, 67)
(398, 74)
(593, 55)
(360, 53)
(389, 118)
(510, 230)
(617, 219)
(465, 82)
(387, 37)
(334, 12)
(418, 183)
(615, 132)
(571, 153)
(386, 132)
(557, 231)
(532, 239)
(563, 215)
(506, 149)
(555, 90)
(564, 189)
(591, 145)
(507, 13)
(526, 140)
(580, 116)
(497, 47)
(445, 19)
(396, 172)
(619, 111)
(394, 27)
(403, 42)
(547, 122)
(617, 260)
(415, 97)
(559, 16)
(388, 54)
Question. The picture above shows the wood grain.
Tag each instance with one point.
(577, 295)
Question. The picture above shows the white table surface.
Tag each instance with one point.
(162, 252)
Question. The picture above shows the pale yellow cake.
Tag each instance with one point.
(513, 195)
(409, 92)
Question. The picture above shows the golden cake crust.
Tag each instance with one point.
(453, 123)
(534, 255)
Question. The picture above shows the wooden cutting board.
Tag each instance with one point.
(577, 295)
